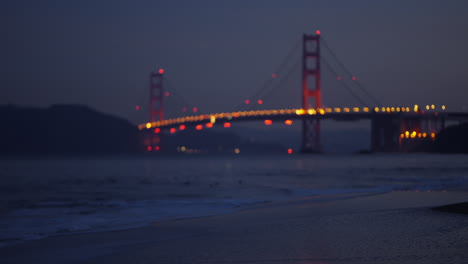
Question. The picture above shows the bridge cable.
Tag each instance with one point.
(363, 89)
(181, 100)
(343, 83)
(283, 79)
(279, 69)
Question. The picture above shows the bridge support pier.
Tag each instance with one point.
(385, 133)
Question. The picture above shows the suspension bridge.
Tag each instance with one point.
(391, 126)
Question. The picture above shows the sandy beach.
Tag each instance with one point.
(395, 227)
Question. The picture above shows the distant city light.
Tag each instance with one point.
(237, 150)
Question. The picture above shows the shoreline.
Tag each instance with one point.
(270, 233)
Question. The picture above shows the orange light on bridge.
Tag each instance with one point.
(311, 111)
(443, 107)
(290, 151)
(157, 130)
(346, 109)
(149, 148)
(300, 111)
(288, 122)
(161, 71)
(209, 125)
(172, 130)
(260, 102)
(413, 134)
(198, 127)
(268, 122)
(376, 109)
(148, 125)
(227, 125)
(247, 101)
(366, 109)
(355, 109)
(321, 111)
(182, 127)
(406, 134)
(337, 110)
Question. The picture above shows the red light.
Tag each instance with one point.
(167, 93)
(182, 127)
(157, 148)
(227, 124)
(247, 101)
(198, 127)
(317, 32)
(353, 78)
(149, 148)
(290, 151)
(157, 130)
(268, 122)
(209, 125)
(172, 130)
(184, 109)
(338, 78)
(288, 122)
(161, 71)
(260, 102)
(137, 107)
(195, 109)
(274, 75)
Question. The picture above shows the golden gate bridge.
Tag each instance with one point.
(391, 126)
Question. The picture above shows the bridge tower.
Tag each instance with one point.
(311, 74)
(156, 96)
(156, 102)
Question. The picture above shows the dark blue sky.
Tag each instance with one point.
(218, 52)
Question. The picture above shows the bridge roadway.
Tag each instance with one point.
(339, 114)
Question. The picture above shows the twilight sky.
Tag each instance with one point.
(217, 53)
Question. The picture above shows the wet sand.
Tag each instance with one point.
(397, 227)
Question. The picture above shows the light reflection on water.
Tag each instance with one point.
(151, 189)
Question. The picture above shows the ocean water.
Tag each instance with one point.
(46, 197)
